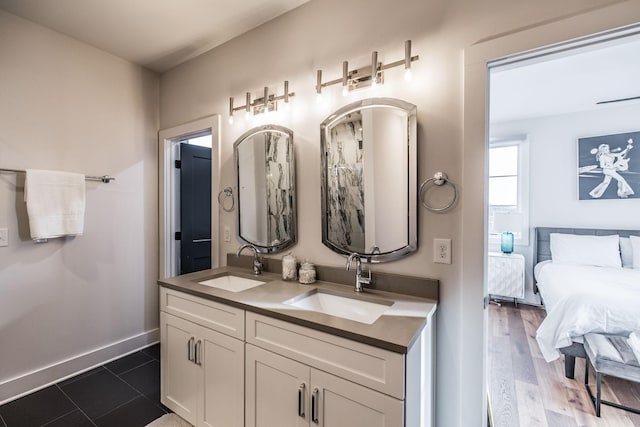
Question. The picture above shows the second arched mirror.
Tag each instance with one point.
(265, 176)
(369, 178)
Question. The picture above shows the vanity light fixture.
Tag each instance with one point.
(345, 78)
(407, 61)
(267, 103)
(371, 75)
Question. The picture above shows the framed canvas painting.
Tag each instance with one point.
(609, 167)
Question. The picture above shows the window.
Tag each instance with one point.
(509, 187)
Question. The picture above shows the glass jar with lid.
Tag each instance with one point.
(289, 267)
(307, 273)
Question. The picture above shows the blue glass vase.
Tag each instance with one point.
(506, 242)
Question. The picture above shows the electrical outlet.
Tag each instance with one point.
(227, 233)
(4, 237)
(442, 251)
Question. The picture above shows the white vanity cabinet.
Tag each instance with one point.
(296, 376)
(286, 393)
(202, 360)
(224, 367)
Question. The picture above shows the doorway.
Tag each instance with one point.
(473, 289)
(540, 105)
(189, 174)
(193, 233)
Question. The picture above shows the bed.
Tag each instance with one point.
(580, 299)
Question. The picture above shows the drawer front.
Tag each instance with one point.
(363, 364)
(210, 314)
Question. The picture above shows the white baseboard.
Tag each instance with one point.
(19, 386)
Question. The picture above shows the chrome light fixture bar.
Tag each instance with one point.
(268, 102)
(369, 75)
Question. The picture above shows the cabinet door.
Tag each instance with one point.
(179, 385)
(222, 361)
(277, 390)
(341, 403)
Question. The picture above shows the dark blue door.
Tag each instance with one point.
(195, 208)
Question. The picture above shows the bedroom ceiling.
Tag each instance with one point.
(570, 82)
(157, 34)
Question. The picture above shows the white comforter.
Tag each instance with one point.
(582, 299)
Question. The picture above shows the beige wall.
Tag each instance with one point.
(321, 34)
(65, 105)
(66, 305)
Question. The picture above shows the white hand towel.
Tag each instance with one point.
(634, 343)
(55, 203)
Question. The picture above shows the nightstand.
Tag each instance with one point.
(505, 275)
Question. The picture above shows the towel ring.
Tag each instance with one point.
(228, 193)
(439, 179)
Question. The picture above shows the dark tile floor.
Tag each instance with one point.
(122, 393)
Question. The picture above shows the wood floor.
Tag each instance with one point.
(524, 390)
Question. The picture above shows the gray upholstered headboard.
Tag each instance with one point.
(543, 243)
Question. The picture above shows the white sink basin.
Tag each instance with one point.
(362, 309)
(232, 283)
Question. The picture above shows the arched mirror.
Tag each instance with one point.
(369, 178)
(265, 173)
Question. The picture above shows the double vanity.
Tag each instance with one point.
(251, 350)
(245, 350)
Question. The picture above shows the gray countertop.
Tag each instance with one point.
(395, 330)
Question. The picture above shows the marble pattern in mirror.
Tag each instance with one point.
(265, 176)
(369, 178)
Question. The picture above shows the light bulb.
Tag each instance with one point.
(319, 98)
(408, 75)
(247, 115)
(230, 120)
(345, 90)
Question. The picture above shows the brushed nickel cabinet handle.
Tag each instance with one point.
(301, 396)
(198, 356)
(314, 405)
(190, 349)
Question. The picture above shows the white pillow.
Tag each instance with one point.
(574, 249)
(635, 244)
(626, 252)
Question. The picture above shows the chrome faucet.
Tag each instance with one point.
(257, 259)
(359, 279)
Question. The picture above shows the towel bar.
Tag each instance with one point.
(104, 178)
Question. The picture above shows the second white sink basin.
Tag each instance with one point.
(361, 310)
(232, 283)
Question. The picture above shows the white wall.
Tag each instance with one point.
(66, 305)
(553, 165)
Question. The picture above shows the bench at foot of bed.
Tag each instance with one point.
(609, 355)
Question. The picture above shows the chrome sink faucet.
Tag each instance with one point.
(257, 258)
(360, 281)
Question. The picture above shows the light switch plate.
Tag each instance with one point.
(227, 233)
(442, 251)
(4, 237)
